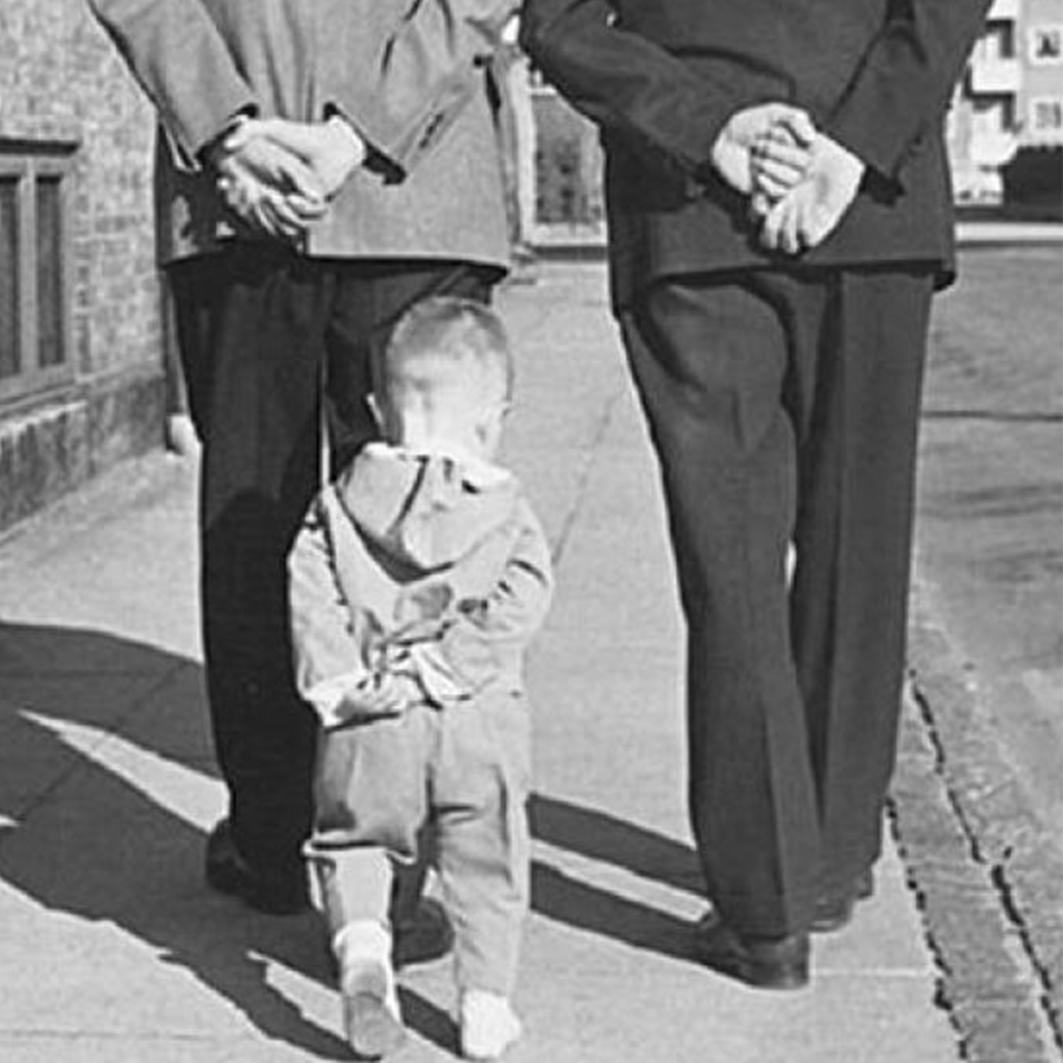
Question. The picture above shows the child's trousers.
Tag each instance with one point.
(465, 767)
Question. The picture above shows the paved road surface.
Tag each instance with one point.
(991, 499)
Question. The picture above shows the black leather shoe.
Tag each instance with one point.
(226, 870)
(834, 911)
(764, 963)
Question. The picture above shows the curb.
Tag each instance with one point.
(987, 877)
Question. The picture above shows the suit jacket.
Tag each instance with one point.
(663, 76)
(410, 77)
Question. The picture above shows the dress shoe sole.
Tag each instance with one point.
(758, 976)
(837, 914)
(726, 959)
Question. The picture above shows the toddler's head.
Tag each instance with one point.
(445, 379)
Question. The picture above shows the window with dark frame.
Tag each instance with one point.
(35, 303)
(1046, 43)
(1046, 114)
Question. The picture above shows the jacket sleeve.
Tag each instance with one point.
(327, 656)
(420, 75)
(628, 84)
(905, 80)
(179, 58)
(474, 648)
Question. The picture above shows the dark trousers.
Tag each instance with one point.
(784, 408)
(264, 334)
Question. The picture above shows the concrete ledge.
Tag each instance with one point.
(55, 447)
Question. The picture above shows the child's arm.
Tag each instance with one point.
(328, 637)
(481, 636)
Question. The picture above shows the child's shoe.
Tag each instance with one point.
(371, 1017)
(488, 1025)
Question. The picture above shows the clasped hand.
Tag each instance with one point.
(799, 181)
(278, 176)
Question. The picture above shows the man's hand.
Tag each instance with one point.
(812, 210)
(770, 143)
(778, 162)
(331, 150)
(269, 187)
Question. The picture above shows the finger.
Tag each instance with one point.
(789, 239)
(797, 123)
(770, 229)
(307, 210)
(234, 194)
(276, 167)
(817, 225)
(260, 217)
(282, 222)
(298, 176)
(781, 151)
(281, 209)
(759, 206)
(242, 133)
(772, 179)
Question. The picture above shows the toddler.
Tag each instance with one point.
(416, 581)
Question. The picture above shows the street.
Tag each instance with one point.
(991, 500)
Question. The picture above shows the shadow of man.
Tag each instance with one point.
(602, 837)
(107, 789)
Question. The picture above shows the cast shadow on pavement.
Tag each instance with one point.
(122, 727)
(599, 836)
(124, 843)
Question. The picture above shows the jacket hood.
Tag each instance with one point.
(425, 509)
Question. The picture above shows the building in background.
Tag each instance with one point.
(81, 383)
(1007, 112)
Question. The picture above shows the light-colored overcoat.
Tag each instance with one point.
(410, 75)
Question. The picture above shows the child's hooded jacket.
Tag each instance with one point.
(420, 563)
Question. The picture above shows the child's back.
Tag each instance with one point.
(416, 582)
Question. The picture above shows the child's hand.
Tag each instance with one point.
(779, 159)
(812, 210)
(381, 696)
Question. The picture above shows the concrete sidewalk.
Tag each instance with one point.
(112, 948)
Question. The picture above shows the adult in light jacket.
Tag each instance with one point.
(777, 342)
(287, 270)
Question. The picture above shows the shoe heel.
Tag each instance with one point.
(775, 976)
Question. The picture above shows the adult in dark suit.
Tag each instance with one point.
(774, 310)
(287, 268)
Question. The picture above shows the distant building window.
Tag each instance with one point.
(1046, 43)
(34, 267)
(1046, 115)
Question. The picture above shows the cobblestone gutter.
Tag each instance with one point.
(988, 878)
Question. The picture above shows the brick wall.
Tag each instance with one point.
(61, 80)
